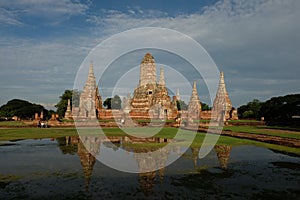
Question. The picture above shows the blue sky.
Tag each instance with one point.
(43, 42)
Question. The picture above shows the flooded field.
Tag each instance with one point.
(63, 168)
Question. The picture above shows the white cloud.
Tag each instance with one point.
(256, 44)
(8, 17)
(13, 11)
(253, 40)
(39, 71)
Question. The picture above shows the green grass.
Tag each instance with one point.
(106, 120)
(244, 121)
(262, 130)
(8, 178)
(202, 121)
(12, 124)
(33, 133)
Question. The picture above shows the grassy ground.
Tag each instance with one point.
(244, 120)
(264, 130)
(33, 133)
(12, 124)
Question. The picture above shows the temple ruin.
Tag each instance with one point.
(90, 100)
(151, 100)
(222, 108)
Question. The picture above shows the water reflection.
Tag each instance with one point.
(87, 147)
(227, 172)
(223, 153)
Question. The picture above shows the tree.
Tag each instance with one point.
(21, 108)
(205, 107)
(61, 106)
(279, 110)
(250, 110)
(181, 105)
(113, 103)
(107, 103)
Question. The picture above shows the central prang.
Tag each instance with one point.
(151, 98)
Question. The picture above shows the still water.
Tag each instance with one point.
(63, 169)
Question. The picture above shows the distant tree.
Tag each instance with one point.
(279, 110)
(63, 103)
(205, 107)
(116, 102)
(21, 108)
(107, 103)
(241, 110)
(113, 103)
(250, 110)
(248, 114)
(255, 106)
(181, 105)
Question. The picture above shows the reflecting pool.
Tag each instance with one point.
(65, 168)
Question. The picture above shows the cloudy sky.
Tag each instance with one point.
(43, 42)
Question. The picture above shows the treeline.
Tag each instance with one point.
(22, 109)
(283, 110)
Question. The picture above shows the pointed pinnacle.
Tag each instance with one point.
(162, 77)
(194, 86)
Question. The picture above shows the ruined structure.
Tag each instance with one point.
(178, 94)
(222, 108)
(194, 107)
(90, 99)
(150, 98)
(68, 113)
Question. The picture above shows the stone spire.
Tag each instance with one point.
(91, 82)
(177, 94)
(195, 96)
(162, 77)
(194, 107)
(147, 70)
(89, 97)
(68, 113)
(222, 104)
(69, 105)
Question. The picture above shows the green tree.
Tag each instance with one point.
(205, 107)
(61, 106)
(248, 114)
(21, 108)
(107, 103)
(250, 110)
(181, 105)
(113, 103)
(255, 106)
(279, 110)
